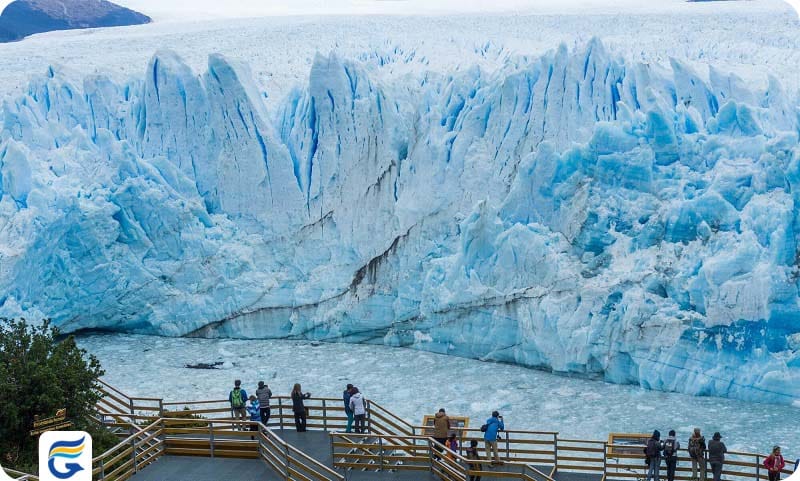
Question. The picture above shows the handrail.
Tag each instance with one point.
(19, 475)
(524, 450)
(125, 442)
(395, 417)
(511, 431)
(109, 386)
(449, 466)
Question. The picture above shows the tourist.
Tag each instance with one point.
(299, 409)
(359, 407)
(671, 447)
(452, 446)
(441, 428)
(716, 455)
(653, 455)
(346, 398)
(473, 454)
(254, 409)
(490, 431)
(238, 399)
(697, 450)
(774, 464)
(263, 393)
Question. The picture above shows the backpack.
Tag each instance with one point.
(484, 428)
(236, 398)
(669, 448)
(652, 449)
(694, 447)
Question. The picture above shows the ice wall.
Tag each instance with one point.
(578, 212)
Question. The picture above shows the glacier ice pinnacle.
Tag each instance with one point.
(576, 212)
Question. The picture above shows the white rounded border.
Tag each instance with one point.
(794, 4)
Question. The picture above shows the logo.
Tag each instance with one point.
(65, 455)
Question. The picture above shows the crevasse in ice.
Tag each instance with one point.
(577, 212)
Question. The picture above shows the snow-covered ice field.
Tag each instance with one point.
(752, 39)
(412, 383)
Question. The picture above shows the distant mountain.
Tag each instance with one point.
(26, 17)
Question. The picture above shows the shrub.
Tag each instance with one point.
(41, 372)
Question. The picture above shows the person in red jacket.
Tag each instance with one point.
(774, 464)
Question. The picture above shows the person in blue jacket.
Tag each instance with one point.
(346, 398)
(254, 409)
(493, 425)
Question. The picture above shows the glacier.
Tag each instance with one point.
(578, 212)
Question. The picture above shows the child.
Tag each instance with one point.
(254, 409)
(472, 453)
(774, 464)
(452, 446)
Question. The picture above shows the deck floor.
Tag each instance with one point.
(313, 443)
(188, 468)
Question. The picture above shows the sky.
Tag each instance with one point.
(177, 10)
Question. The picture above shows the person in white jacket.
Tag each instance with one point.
(359, 407)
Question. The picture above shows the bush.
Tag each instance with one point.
(40, 372)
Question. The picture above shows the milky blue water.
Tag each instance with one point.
(412, 384)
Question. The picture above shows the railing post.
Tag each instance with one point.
(130, 402)
(102, 470)
(605, 460)
(324, 416)
(555, 452)
(133, 454)
(758, 467)
(430, 453)
(369, 416)
(280, 413)
(161, 408)
(211, 437)
(380, 453)
(288, 459)
(508, 448)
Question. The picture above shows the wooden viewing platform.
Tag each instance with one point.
(196, 440)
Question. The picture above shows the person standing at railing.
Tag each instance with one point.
(653, 455)
(774, 464)
(299, 409)
(493, 425)
(348, 391)
(716, 455)
(359, 407)
(472, 453)
(238, 399)
(254, 409)
(263, 393)
(697, 452)
(441, 428)
(671, 449)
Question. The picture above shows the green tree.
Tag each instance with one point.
(41, 372)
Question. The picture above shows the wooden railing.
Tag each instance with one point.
(291, 462)
(392, 441)
(131, 454)
(323, 413)
(19, 475)
(418, 453)
(220, 438)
